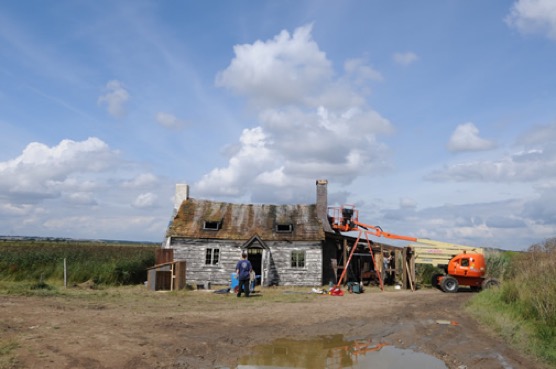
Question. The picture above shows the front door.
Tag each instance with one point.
(255, 256)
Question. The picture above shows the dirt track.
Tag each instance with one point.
(138, 329)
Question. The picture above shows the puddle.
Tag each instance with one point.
(335, 352)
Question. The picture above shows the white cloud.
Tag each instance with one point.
(534, 162)
(141, 181)
(169, 120)
(534, 16)
(80, 189)
(520, 167)
(252, 158)
(145, 200)
(405, 58)
(310, 124)
(466, 138)
(115, 98)
(475, 224)
(284, 70)
(42, 172)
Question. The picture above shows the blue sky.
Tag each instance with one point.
(436, 119)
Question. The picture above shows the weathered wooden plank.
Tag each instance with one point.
(277, 267)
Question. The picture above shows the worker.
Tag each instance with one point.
(392, 266)
(386, 266)
(252, 280)
(243, 272)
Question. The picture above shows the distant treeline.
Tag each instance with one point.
(103, 262)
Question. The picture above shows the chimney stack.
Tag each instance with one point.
(182, 194)
(322, 204)
(322, 199)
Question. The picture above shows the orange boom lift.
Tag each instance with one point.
(463, 269)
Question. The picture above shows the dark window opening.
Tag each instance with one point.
(212, 256)
(284, 228)
(212, 225)
(464, 262)
(298, 259)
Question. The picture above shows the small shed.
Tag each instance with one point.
(167, 274)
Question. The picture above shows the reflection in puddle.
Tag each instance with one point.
(334, 352)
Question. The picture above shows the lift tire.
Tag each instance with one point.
(449, 284)
(490, 283)
(434, 280)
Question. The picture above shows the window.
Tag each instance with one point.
(464, 262)
(212, 256)
(284, 227)
(298, 259)
(212, 225)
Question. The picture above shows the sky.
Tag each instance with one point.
(434, 119)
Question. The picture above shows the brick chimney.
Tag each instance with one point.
(322, 204)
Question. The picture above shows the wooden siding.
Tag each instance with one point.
(276, 262)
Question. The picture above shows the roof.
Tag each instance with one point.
(243, 221)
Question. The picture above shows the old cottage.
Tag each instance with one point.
(286, 244)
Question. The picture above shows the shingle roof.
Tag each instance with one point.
(243, 221)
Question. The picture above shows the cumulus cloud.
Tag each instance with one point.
(169, 120)
(42, 172)
(405, 58)
(311, 124)
(474, 224)
(534, 162)
(286, 69)
(115, 98)
(519, 167)
(80, 188)
(466, 138)
(534, 16)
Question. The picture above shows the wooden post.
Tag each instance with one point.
(65, 274)
(404, 268)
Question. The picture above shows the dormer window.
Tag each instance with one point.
(212, 225)
(284, 227)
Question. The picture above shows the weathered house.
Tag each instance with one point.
(286, 244)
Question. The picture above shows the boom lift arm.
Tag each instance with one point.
(346, 219)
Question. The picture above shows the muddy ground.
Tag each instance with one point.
(135, 329)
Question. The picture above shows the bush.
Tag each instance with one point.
(523, 310)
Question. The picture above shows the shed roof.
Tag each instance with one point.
(243, 221)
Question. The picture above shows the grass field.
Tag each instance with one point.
(113, 263)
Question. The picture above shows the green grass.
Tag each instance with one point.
(7, 356)
(103, 263)
(523, 309)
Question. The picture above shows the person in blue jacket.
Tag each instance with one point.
(243, 271)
